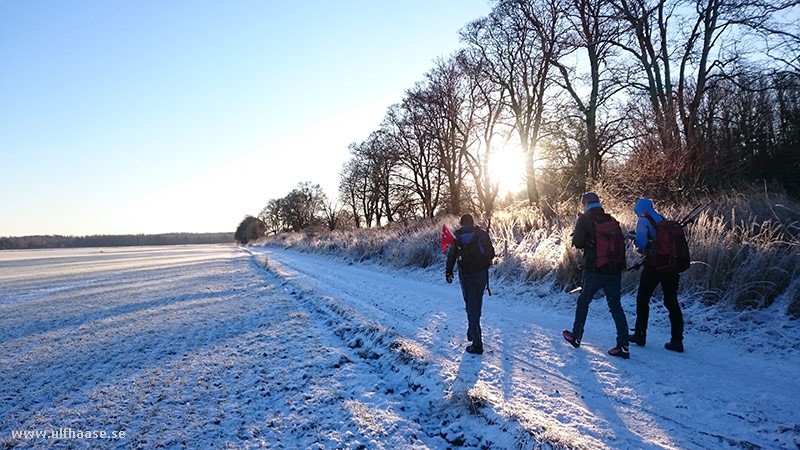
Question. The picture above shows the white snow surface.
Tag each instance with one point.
(223, 347)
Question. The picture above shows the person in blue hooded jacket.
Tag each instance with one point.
(644, 240)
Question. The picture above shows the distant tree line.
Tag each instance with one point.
(56, 241)
(306, 206)
(666, 97)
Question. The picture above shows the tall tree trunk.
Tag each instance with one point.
(592, 145)
(530, 173)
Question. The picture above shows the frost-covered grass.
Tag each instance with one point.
(747, 252)
(744, 247)
(413, 245)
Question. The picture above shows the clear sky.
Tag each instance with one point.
(161, 116)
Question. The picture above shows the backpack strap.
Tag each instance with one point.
(655, 228)
(650, 218)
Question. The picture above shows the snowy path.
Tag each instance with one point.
(208, 346)
(714, 395)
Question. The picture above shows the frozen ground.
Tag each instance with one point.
(214, 346)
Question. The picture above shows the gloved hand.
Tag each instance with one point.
(448, 276)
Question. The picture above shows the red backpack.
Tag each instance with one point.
(671, 248)
(609, 243)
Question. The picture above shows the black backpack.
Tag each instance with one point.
(671, 251)
(473, 256)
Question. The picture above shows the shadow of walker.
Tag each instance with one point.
(464, 389)
(599, 395)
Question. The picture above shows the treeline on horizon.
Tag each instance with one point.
(123, 240)
(668, 99)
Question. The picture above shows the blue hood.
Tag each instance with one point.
(643, 207)
(645, 231)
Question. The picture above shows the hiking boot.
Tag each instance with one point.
(474, 349)
(675, 346)
(638, 339)
(571, 339)
(622, 352)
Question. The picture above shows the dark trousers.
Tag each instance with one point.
(472, 287)
(647, 285)
(612, 286)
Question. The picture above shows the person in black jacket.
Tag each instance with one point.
(474, 252)
(607, 277)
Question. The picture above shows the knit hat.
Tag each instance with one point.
(467, 219)
(590, 197)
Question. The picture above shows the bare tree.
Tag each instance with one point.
(645, 37)
(683, 45)
(349, 188)
(418, 159)
(273, 217)
(443, 100)
(331, 212)
(487, 99)
(518, 43)
(359, 186)
(590, 29)
(302, 207)
(382, 160)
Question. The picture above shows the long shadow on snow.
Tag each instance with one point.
(604, 403)
(76, 371)
(31, 326)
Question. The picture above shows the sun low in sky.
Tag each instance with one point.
(149, 117)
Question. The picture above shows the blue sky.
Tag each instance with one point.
(149, 117)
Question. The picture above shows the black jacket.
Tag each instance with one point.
(464, 236)
(584, 238)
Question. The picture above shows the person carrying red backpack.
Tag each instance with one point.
(655, 272)
(603, 244)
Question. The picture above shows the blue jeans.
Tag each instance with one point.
(612, 286)
(472, 287)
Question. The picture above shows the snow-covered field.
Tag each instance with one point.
(216, 346)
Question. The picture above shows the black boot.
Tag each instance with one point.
(675, 346)
(638, 339)
(477, 350)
